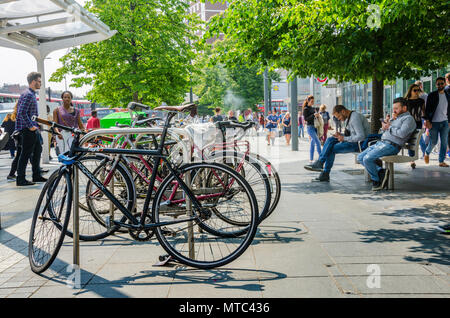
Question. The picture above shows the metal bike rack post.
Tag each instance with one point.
(175, 133)
(76, 218)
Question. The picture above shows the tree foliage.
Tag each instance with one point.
(348, 40)
(229, 86)
(148, 60)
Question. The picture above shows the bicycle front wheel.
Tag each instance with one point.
(207, 241)
(50, 219)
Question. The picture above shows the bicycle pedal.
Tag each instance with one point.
(163, 260)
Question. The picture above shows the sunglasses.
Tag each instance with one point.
(440, 84)
(416, 90)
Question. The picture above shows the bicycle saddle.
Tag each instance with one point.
(183, 108)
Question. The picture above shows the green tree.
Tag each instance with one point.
(229, 86)
(148, 60)
(349, 40)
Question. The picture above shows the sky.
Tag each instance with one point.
(16, 64)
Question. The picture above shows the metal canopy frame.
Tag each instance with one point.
(41, 27)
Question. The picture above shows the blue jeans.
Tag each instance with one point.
(300, 130)
(314, 141)
(441, 129)
(331, 147)
(367, 157)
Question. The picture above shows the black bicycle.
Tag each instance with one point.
(184, 214)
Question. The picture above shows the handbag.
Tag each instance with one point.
(318, 124)
(4, 137)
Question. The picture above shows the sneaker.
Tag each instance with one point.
(323, 177)
(426, 158)
(316, 166)
(379, 185)
(11, 178)
(444, 229)
(443, 164)
(376, 185)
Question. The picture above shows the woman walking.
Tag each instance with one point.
(271, 126)
(309, 114)
(9, 125)
(69, 116)
(326, 117)
(12, 172)
(416, 107)
(286, 123)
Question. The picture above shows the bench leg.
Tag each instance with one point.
(366, 176)
(391, 175)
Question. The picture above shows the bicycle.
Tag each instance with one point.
(173, 221)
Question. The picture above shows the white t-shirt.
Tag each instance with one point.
(441, 110)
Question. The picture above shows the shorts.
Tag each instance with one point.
(271, 129)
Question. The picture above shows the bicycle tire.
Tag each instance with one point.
(254, 174)
(92, 225)
(275, 183)
(174, 238)
(47, 227)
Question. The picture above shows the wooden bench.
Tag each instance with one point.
(412, 144)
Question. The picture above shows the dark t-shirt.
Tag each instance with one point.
(308, 114)
(217, 118)
(415, 107)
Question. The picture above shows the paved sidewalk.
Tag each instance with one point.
(324, 240)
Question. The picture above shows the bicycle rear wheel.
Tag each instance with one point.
(254, 173)
(274, 180)
(215, 244)
(50, 219)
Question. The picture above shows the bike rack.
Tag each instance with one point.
(175, 133)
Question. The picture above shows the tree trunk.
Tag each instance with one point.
(377, 104)
(136, 97)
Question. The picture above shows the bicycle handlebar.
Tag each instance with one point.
(54, 124)
(73, 130)
(146, 120)
(134, 105)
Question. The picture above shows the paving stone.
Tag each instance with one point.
(318, 243)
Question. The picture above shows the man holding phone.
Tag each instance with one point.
(396, 134)
(357, 129)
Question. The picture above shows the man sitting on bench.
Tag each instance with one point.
(396, 134)
(357, 129)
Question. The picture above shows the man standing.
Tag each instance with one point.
(396, 134)
(437, 117)
(93, 122)
(357, 129)
(29, 134)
